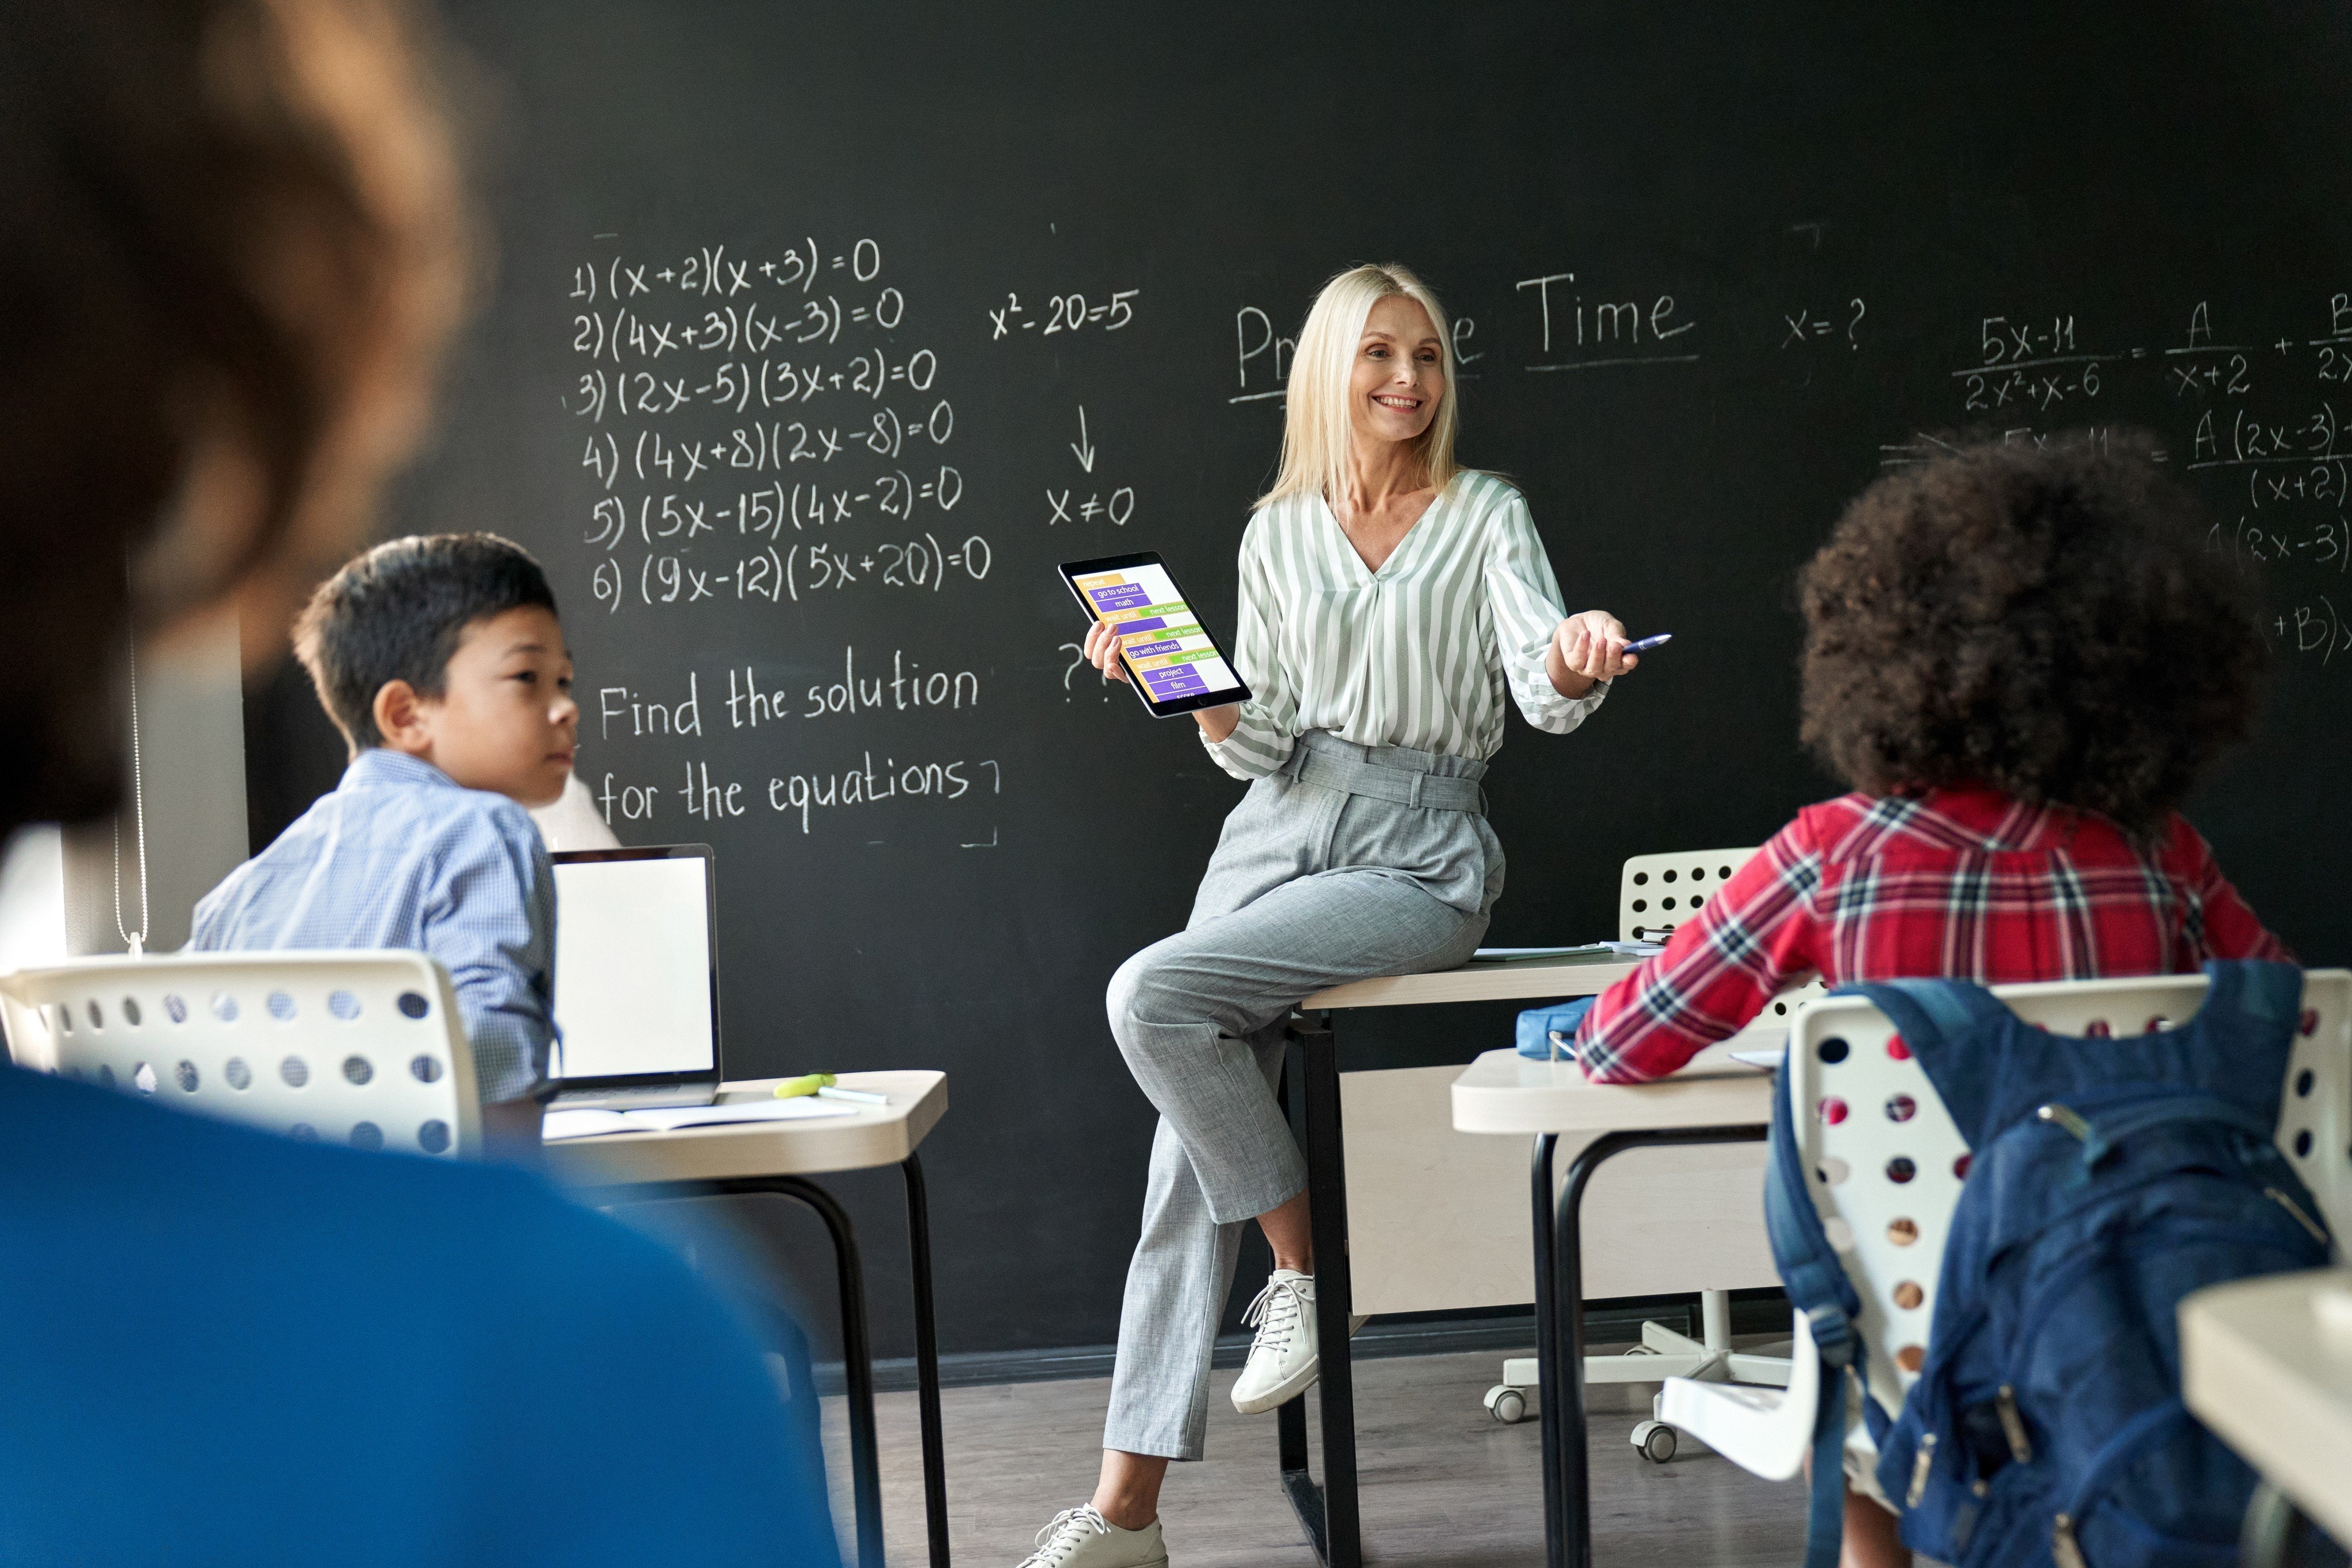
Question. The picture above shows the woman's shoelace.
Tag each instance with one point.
(1269, 1317)
(1076, 1523)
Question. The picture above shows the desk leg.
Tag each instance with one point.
(1548, 1395)
(856, 1353)
(1328, 1513)
(1568, 1500)
(927, 1362)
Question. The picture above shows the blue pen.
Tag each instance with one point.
(1646, 643)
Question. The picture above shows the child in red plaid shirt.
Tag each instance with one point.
(2022, 661)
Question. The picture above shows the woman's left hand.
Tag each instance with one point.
(1587, 648)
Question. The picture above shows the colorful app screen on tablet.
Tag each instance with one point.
(1172, 657)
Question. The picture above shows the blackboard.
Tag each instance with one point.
(821, 332)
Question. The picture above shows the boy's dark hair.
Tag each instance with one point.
(2044, 622)
(396, 613)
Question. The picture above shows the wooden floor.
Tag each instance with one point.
(1444, 1483)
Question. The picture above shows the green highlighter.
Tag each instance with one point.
(807, 1083)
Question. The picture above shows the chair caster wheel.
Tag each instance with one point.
(1656, 1441)
(1506, 1405)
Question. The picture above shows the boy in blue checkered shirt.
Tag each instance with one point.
(441, 660)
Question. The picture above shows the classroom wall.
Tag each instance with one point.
(190, 776)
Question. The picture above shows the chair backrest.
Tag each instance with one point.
(1887, 1162)
(1658, 892)
(365, 1048)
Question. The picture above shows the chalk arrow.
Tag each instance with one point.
(1082, 447)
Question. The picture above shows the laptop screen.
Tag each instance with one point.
(633, 966)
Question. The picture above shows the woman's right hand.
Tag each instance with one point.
(1102, 651)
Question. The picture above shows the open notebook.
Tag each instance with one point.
(560, 1125)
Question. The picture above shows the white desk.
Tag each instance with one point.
(777, 1158)
(1329, 1513)
(876, 1135)
(1505, 1093)
(1532, 980)
(2257, 1367)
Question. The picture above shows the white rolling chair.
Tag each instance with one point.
(365, 1048)
(1656, 893)
(1888, 1166)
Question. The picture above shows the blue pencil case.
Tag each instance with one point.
(1548, 1034)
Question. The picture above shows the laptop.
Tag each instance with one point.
(636, 978)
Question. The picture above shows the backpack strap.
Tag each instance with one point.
(2259, 988)
(1933, 1011)
(2107, 1130)
(1955, 1030)
(1817, 1284)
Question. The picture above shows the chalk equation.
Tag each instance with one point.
(709, 271)
(770, 447)
(1801, 326)
(766, 510)
(791, 575)
(1063, 313)
(736, 385)
(1117, 505)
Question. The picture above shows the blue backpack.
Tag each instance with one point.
(2108, 1178)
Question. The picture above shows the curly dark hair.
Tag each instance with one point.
(2041, 620)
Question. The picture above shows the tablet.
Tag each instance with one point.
(1175, 665)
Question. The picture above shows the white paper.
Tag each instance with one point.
(560, 1125)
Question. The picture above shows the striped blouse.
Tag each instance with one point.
(1418, 654)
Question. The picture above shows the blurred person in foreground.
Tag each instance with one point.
(232, 245)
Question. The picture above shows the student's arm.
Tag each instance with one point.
(1265, 726)
(492, 927)
(1522, 596)
(2220, 923)
(1719, 970)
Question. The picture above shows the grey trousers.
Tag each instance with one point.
(1312, 884)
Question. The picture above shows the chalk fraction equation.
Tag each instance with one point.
(2326, 542)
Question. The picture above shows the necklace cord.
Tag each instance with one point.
(137, 942)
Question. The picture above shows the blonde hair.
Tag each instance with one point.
(1317, 433)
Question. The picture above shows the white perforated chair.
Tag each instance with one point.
(1656, 893)
(1888, 1164)
(364, 1049)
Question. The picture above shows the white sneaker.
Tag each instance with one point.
(1081, 1537)
(1282, 1362)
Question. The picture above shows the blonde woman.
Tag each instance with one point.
(1390, 600)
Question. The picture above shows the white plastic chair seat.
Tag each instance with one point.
(1764, 1430)
(364, 1047)
(1887, 1166)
